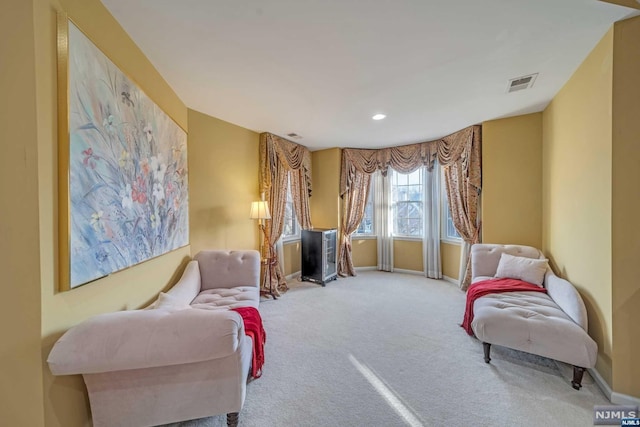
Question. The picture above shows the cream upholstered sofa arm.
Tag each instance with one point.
(567, 297)
(146, 338)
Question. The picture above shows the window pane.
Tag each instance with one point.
(448, 230)
(452, 233)
(288, 229)
(366, 225)
(408, 203)
(414, 226)
(291, 227)
(414, 178)
(414, 210)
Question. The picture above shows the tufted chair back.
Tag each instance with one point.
(484, 264)
(228, 269)
(485, 257)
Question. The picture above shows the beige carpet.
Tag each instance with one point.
(386, 349)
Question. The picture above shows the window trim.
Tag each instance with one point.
(407, 238)
(450, 241)
(355, 236)
(291, 238)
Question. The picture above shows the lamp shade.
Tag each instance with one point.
(260, 210)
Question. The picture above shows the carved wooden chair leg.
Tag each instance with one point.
(487, 350)
(577, 377)
(232, 419)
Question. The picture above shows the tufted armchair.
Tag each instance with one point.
(184, 357)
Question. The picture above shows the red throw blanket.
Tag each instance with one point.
(493, 286)
(254, 329)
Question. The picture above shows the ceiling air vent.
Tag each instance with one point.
(520, 83)
(294, 135)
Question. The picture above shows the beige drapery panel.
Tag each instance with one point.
(300, 194)
(458, 153)
(463, 183)
(281, 161)
(352, 212)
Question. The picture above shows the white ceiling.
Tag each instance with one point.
(322, 68)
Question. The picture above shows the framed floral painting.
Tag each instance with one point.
(123, 167)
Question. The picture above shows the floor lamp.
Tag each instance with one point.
(260, 211)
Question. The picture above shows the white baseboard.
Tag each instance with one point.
(614, 397)
(450, 280)
(370, 268)
(402, 270)
(294, 275)
(624, 399)
(600, 382)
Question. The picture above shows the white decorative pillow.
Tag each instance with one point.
(528, 269)
(170, 303)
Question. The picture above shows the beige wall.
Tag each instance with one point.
(223, 181)
(625, 250)
(325, 197)
(450, 255)
(292, 257)
(576, 177)
(364, 252)
(407, 255)
(65, 402)
(512, 180)
(21, 391)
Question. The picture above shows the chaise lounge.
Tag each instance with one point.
(185, 357)
(551, 324)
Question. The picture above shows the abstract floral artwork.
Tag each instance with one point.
(127, 169)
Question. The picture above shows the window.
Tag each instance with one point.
(407, 198)
(367, 225)
(448, 232)
(291, 229)
(407, 207)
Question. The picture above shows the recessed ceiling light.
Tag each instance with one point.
(379, 116)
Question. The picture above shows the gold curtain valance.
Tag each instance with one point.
(462, 146)
(291, 156)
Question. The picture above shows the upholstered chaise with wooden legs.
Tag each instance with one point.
(186, 356)
(551, 324)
